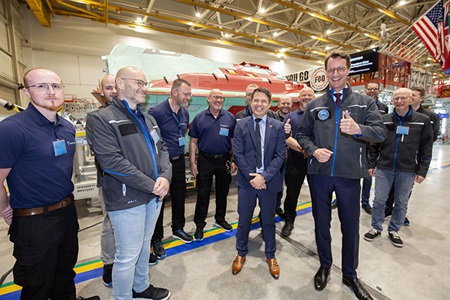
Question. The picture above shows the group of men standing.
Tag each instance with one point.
(140, 157)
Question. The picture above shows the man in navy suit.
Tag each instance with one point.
(259, 146)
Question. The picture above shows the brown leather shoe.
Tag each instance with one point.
(274, 269)
(238, 262)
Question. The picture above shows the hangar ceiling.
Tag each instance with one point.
(303, 29)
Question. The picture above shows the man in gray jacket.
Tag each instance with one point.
(129, 149)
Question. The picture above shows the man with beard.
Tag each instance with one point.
(134, 158)
(38, 147)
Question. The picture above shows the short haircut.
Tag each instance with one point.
(264, 91)
(418, 89)
(27, 72)
(178, 82)
(373, 82)
(336, 54)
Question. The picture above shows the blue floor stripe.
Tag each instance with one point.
(98, 272)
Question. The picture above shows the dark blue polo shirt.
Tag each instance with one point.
(210, 131)
(295, 117)
(37, 177)
(172, 126)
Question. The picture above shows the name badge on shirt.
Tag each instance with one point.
(403, 130)
(59, 147)
(155, 136)
(224, 130)
(181, 141)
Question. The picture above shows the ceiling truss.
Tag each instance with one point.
(302, 29)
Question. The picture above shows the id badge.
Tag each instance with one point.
(181, 141)
(155, 136)
(224, 131)
(59, 147)
(403, 130)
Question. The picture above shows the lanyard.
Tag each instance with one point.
(178, 123)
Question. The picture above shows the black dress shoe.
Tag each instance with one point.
(321, 278)
(357, 288)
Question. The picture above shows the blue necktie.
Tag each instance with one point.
(258, 144)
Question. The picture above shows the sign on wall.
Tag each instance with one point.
(316, 78)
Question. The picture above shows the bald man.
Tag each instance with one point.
(400, 161)
(137, 170)
(211, 133)
(108, 249)
(296, 162)
(38, 147)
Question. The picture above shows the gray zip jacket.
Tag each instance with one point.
(128, 155)
(319, 128)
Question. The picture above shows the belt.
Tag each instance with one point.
(25, 212)
(176, 157)
(213, 155)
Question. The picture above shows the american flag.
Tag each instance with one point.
(432, 29)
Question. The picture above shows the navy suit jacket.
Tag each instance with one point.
(244, 152)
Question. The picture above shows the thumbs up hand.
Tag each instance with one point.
(287, 127)
(348, 125)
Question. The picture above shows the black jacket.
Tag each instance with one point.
(404, 153)
(319, 128)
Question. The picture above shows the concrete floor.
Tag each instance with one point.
(419, 270)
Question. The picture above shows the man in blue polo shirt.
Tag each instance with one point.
(211, 132)
(37, 161)
(297, 166)
(172, 117)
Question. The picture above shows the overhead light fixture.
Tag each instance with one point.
(314, 37)
(190, 23)
(276, 33)
(283, 50)
(197, 14)
(327, 48)
(138, 20)
(366, 34)
(330, 5)
(315, 52)
(262, 10)
(264, 39)
(227, 35)
(328, 31)
(280, 55)
(313, 14)
(401, 3)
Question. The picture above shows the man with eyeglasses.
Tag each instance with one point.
(372, 90)
(108, 249)
(211, 133)
(129, 148)
(38, 147)
(247, 111)
(172, 117)
(400, 161)
(333, 131)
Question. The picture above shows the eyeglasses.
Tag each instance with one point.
(399, 98)
(372, 89)
(338, 69)
(217, 97)
(46, 86)
(140, 83)
(185, 94)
